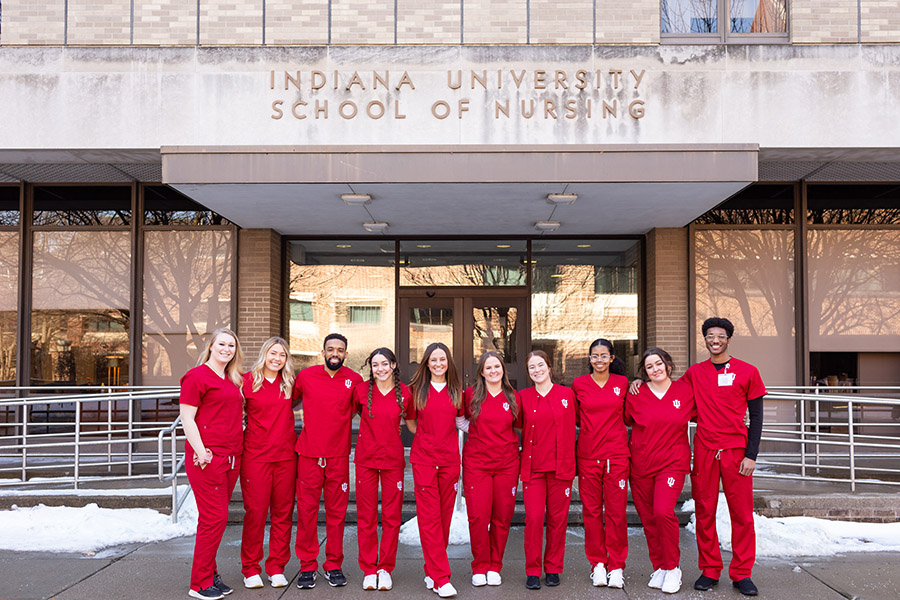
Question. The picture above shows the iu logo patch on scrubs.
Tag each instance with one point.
(568, 491)
(344, 487)
(348, 383)
(565, 403)
(676, 403)
(617, 390)
(400, 485)
(506, 406)
(456, 487)
(514, 491)
(670, 481)
(621, 484)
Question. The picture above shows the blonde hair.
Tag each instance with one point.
(233, 368)
(286, 372)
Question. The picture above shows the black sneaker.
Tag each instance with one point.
(746, 587)
(551, 579)
(221, 585)
(210, 593)
(307, 580)
(533, 582)
(705, 583)
(335, 578)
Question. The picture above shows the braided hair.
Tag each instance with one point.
(392, 359)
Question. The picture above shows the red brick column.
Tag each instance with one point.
(259, 298)
(667, 325)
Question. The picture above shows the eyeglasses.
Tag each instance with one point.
(599, 357)
(714, 338)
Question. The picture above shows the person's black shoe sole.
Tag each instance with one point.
(533, 583)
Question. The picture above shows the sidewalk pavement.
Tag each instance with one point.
(161, 570)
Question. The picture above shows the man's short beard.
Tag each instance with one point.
(332, 367)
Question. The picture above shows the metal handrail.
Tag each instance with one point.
(175, 462)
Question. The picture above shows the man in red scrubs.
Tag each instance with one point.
(725, 448)
(326, 392)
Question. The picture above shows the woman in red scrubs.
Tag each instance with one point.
(382, 404)
(490, 466)
(211, 412)
(269, 464)
(660, 458)
(547, 469)
(437, 401)
(602, 454)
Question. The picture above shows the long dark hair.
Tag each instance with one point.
(479, 390)
(617, 366)
(421, 379)
(385, 352)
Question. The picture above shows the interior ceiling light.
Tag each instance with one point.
(344, 246)
(545, 226)
(561, 199)
(423, 245)
(584, 245)
(375, 226)
(503, 245)
(356, 199)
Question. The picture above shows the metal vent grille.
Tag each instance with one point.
(786, 171)
(66, 173)
(144, 172)
(859, 171)
(4, 178)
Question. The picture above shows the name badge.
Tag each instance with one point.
(726, 379)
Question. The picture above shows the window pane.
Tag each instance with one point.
(167, 206)
(854, 290)
(80, 308)
(9, 280)
(853, 204)
(82, 205)
(689, 16)
(345, 287)
(586, 290)
(758, 204)
(758, 16)
(187, 294)
(462, 263)
(9, 205)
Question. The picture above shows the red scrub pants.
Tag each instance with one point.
(709, 467)
(371, 558)
(490, 503)
(544, 494)
(655, 498)
(436, 489)
(212, 487)
(603, 487)
(267, 487)
(313, 476)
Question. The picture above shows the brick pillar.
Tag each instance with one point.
(259, 298)
(667, 325)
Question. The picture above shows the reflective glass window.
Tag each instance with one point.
(85, 205)
(9, 282)
(758, 204)
(164, 205)
(462, 263)
(853, 204)
(9, 205)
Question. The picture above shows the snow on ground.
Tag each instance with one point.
(459, 527)
(806, 536)
(90, 528)
(166, 491)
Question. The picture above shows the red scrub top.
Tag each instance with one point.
(270, 435)
(721, 408)
(219, 410)
(561, 402)
(326, 411)
(378, 445)
(436, 443)
(659, 430)
(492, 443)
(601, 415)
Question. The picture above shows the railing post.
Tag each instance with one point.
(130, 431)
(818, 447)
(77, 469)
(802, 402)
(175, 475)
(852, 447)
(24, 443)
(109, 422)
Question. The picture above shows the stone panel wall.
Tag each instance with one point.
(165, 22)
(627, 21)
(35, 22)
(495, 22)
(823, 21)
(295, 22)
(562, 22)
(880, 21)
(99, 22)
(231, 22)
(355, 22)
(428, 21)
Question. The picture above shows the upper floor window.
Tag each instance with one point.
(723, 21)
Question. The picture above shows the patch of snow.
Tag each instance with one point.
(806, 536)
(90, 528)
(459, 527)
(92, 492)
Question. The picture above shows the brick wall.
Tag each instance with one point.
(230, 22)
(357, 22)
(495, 22)
(880, 21)
(165, 22)
(99, 22)
(33, 22)
(627, 21)
(667, 324)
(823, 21)
(259, 289)
(296, 22)
(562, 22)
(428, 21)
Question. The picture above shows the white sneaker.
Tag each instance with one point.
(598, 575)
(429, 583)
(370, 582)
(657, 579)
(673, 581)
(479, 579)
(384, 580)
(616, 579)
(253, 582)
(278, 580)
(493, 578)
(446, 591)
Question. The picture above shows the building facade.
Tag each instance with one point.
(500, 175)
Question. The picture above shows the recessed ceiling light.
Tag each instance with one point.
(423, 245)
(557, 275)
(375, 226)
(584, 245)
(561, 199)
(356, 199)
(357, 260)
(547, 225)
(344, 246)
(503, 245)
(428, 259)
